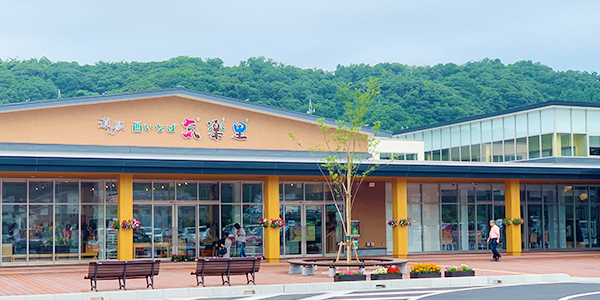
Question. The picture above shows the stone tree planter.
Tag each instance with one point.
(337, 278)
(425, 275)
(386, 276)
(459, 273)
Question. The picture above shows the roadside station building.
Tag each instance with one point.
(190, 165)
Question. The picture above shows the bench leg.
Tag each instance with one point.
(151, 282)
(224, 281)
(250, 280)
(198, 282)
(122, 285)
(93, 286)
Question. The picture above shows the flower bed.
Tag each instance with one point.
(461, 271)
(349, 275)
(384, 273)
(423, 270)
(181, 257)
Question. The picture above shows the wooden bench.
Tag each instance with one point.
(226, 267)
(122, 270)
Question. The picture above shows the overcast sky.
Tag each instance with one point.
(564, 35)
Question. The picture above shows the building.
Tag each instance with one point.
(190, 165)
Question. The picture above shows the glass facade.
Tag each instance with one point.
(48, 221)
(545, 132)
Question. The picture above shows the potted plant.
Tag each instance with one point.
(518, 221)
(349, 275)
(463, 270)
(423, 270)
(181, 257)
(384, 273)
(506, 221)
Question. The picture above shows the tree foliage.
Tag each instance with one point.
(410, 95)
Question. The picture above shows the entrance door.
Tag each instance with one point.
(174, 230)
(303, 234)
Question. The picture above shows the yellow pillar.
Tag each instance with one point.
(399, 211)
(512, 211)
(125, 212)
(271, 235)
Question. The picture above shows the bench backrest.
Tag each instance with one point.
(108, 269)
(243, 265)
(142, 268)
(213, 266)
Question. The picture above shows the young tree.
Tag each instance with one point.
(346, 146)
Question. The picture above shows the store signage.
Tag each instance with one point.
(216, 129)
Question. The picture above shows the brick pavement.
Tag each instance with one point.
(69, 278)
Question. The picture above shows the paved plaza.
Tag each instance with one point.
(69, 278)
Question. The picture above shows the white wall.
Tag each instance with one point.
(393, 145)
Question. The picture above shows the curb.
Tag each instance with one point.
(299, 288)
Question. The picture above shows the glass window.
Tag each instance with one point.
(436, 155)
(498, 129)
(595, 145)
(521, 149)
(230, 214)
(564, 140)
(313, 191)
(509, 127)
(14, 192)
(509, 150)
(411, 156)
(162, 231)
(465, 135)
(208, 191)
(41, 191)
(254, 233)
(475, 153)
(486, 131)
(112, 194)
(521, 125)
(436, 140)
(446, 137)
(187, 191)
(455, 136)
(448, 193)
(67, 192)
(142, 191)
(533, 122)
(40, 218)
(418, 136)
(578, 120)
(414, 192)
(414, 232)
(486, 152)
(164, 190)
(230, 192)
(547, 120)
(410, 136)
(293, 191)
(208, 221)
(476, 133)
(465, 154)
(547, 142)
(445, 154)
(111, 234)
(455, 154)
(385, 156)
(67, 232)
(142, 241)
(593, 121)
(497, 152)
(427, 140)
(252, 193)
(91, 192)
(579, 145)
(563, 120)
(397, 156)
(14, 230)
(92, 241)
(534, 146)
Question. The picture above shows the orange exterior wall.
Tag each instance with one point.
(369, 209)
(78, 125)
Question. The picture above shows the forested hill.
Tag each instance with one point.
(410, 96)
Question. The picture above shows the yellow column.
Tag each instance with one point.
(399, 211)
(512, 211)
(271, 212)
(125, 212)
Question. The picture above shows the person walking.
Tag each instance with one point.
(494, 239)
(240, 238)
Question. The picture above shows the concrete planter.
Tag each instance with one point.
(386, 276)
(349, 278)
(459, 273)
(425, 275)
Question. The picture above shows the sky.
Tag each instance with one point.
(564, 35)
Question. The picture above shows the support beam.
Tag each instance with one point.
(512, 204)
(125, 212)
(400, 211)
(272, 248)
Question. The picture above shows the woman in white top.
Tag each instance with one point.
(240, 237)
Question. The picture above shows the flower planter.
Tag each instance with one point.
(425, 275)
(349, 278)
(459, 273)
(386, 276)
